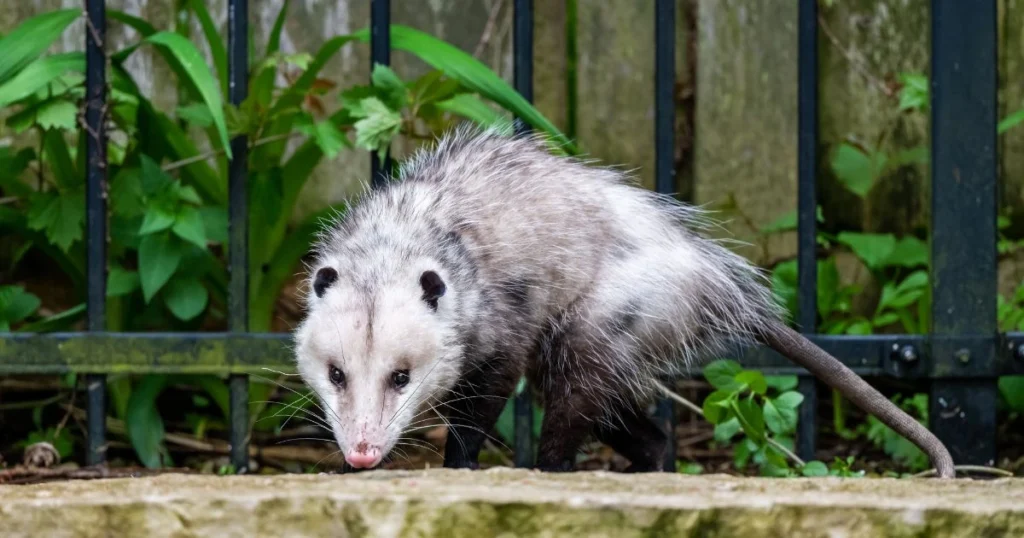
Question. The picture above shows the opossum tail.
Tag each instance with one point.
(803, 352)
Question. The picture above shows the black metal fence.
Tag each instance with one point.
(961, 358)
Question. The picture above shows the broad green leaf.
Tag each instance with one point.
(120, 281)
(38, 74)
(126, 193)
(156, 220)
(814, 468)
(472, 108)
(16, 304)
(914, 94)
(159, 256)
(782, 383)
(716, 406)
(854, 169)
(217, 50)
(915, 280)
(188, 225)
(14, 163)
(194, 65)
(187, 193)
(872, 249)
(327, 136)
(393, 90)
(56, 113)
(722, 374)
(57, 156)
(472, 74)
(31, 38)
(379, 124)
(887, 318)
(725, 431)
(909, 251)
(186, 298)
(787, 222)
(1012, 389)
(144, 423)
(215, 223)
(154, 179)
(751, 418)
(1010, 121)
(784, 284)
(754, 381)
(788, 400)
(59, 216)
(780, 420)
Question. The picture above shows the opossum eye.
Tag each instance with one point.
(433, 288)
(400, 378)
(324, 278)
(337, 377)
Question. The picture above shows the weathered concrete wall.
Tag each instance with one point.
(505, 502)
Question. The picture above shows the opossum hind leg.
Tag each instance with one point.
(635, 437)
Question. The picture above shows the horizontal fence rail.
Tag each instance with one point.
(962, 357)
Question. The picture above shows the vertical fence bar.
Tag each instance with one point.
(380, 53)
(96, 216)
(962, 411)
(238, 254)
(522, 45)
(664, 155)
(807, 268)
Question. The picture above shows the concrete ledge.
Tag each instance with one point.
(508, 502)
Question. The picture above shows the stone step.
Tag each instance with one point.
(511, 502)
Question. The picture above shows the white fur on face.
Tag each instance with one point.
(369, 339)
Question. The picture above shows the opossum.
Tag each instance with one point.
(489, 257)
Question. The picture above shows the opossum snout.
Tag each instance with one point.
(364, 456)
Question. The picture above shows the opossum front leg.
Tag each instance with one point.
(473, 408)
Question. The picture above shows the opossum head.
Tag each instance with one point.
(377, 356)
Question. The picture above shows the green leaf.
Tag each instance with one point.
(379, 124)
(472, 74)
(751, 418)
(159, 256)
(59, 216)
(56, 114)
(872, 249)
(828, 286)
(788, 400)
(31, 38)
(780, 420)
(393, 90)
(856, 170)
(144, 423)
(754, 381)
(914, 93)
(814, 468)
(274, 42)
(217, 50)
(908, 252)
(784, 284)
(716, 406)
(154, 179)
(188, 225)
(1010, 121)
(156, 220)
(328, 137)
(887, 318)
(38, 74)
(186, 298)
(782, 383)
(16, 304)
(1012, 390)
(722, 374)
(195, 67)
(121, 281)
(787, 222)
(196, 114)
(473, 109)
(215, 223)
(187, 193)
(725, 431)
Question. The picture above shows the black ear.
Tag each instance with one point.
(433, 288)
(325, 276)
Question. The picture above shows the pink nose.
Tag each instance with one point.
(363, 460)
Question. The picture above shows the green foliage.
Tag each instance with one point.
(168, 186)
